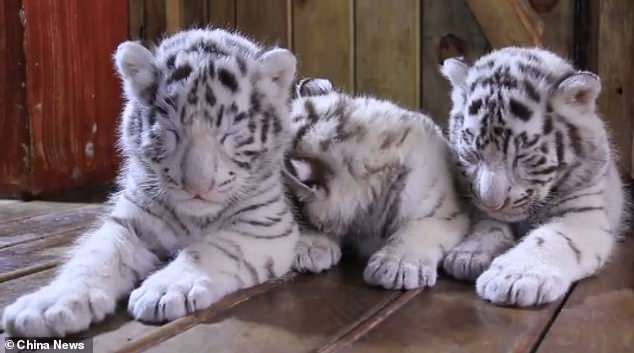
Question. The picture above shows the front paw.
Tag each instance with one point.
(466, 264)
(166, 296)
(316, 254)
(395, 269)
(57, 310)
(518, 285)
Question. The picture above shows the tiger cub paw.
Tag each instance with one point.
(316, 253)
(517, 285)
(396, 269)
(168, 295)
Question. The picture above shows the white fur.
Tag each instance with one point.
(382, 140)
(227, 227)
(575, 215)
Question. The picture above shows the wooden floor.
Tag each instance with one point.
(332, 312)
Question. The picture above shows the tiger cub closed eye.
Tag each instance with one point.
(203, 136)
(533, 150)
(367, 173)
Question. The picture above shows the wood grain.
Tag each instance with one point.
(615, 63)
(14, 211)
(221, 13)
(265, 21)
(35, 255)
(42, 226)
(599, 314)
(323, 40)
(440, 19)
(73, 94)
(12, 290)
(298, 316)
(509, 22)
(558, 29)
(451, 318)
(387, 50)
(14, 132)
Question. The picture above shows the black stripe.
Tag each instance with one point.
(270, 268)
(256, 206)
(271, 221)
(151, 213)
(574, 197)
(228, 79)
(240, 260)
(567, 211)
(572, 246)
(531, 91)
(284, 234)
(545, 171)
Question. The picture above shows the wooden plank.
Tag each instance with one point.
(24, 210)
(295, 317)
(387, 50)
(155, 20)
(509, 22)
(74, 98)
(221, 13)
(136, 19)
(449, 29)
(451, 318)
(615, 62)
(174, 15)
(265, 20)
(134, 336)
(368, 323)
(558, 19)
(194, 14)
(323, 40)
(12, 290)
(598, 316)
(38, 227)
(14, 124)
(33, 256)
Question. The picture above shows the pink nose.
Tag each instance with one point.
(198, 188)
(494, 205)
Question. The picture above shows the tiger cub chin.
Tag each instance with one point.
(202, 210)
(368, 174)
(534, 152)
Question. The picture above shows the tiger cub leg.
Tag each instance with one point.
(410, 258)
(573, 244)
(209, 269)
(316, 252)
(487, 239)
(102, 268)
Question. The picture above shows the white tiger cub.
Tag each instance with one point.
(532, 149)
(203, 137)
(368, 173)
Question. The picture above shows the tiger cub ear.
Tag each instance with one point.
(313, 87)
(279, 65)
(578, 92)
(455, 70)
(306, 176)
(137, 67)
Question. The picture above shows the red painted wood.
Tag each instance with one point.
(13, 119)
(73, 95)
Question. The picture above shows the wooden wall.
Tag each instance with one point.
(60, 82)
(59, 97)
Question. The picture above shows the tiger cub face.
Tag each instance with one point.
(520, 120)
(205, 118)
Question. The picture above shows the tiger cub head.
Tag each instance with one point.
(206, 116)
(523, 127)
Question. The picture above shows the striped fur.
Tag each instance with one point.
(533, 150)
(371, 175)
(203, 138)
